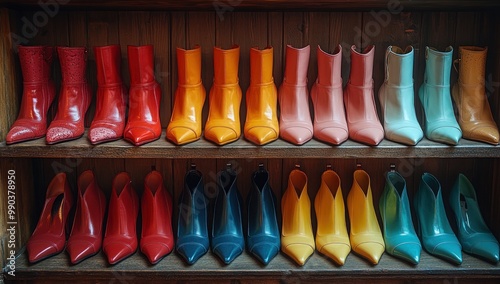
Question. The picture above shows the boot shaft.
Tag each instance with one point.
(399, 66)
(108, 62)
(362, 66)
(296, 65)
(141, 64)
(73, 62)
(261, 66)
(226, 64)
(36, 62)
(329, 67)
(189, 66)
(438, 66)
(472, 65)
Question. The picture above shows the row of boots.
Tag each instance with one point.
(397, 236)
(339, 113)
(263, 240)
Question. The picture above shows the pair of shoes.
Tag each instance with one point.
(39, 92)
(223, 123)
(120, 239)
(85, 238)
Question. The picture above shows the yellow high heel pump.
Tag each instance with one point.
(366, 237)
(331, 236)
(297, 240)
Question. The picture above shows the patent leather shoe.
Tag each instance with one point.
(49, 236)
(227, 228)
(473, 233)
(263, 239)
(192, 230)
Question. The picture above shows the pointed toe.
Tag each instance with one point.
(337, 252)
(409, 252)
(102, 134)
(300, 253)
(371, 136)
(408, 135)
(117, 252)
(487, 134)
(487, 250)
(332, 135)
(265, 252)
(139, 135)
(448, 135)
(41, 250)
(449, 251)
(370, 251)
(155, 251)
(191, 252)
(221, 135)
(181, 135)
(296, 135)
(228, 252)
(19, 134)
(261, 135)
(80, 250)
(59, 134)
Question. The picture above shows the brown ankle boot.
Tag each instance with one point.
(474, 114)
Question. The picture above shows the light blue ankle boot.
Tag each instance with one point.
(440, 122)
(397, 97)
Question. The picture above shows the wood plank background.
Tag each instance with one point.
(169, 30)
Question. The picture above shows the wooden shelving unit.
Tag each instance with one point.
(168, 24)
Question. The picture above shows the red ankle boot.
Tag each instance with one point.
(143, 125)
(120, 239)
(86, 235)
(109, 119)
(38, 94)
(362, 119)
(74, 97)
(157, 238)
(49, 236)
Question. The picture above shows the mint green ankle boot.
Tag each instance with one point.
(440, 122)
(473, 233)
(397, 97)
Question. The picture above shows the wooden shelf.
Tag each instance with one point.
(241, 5)
(161, 148)
(245, 266)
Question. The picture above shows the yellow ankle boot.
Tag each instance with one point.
(223, 124)
(474, 113)
(261, 125)
(366, 237)
(185, 122)
(297, 240)
(331, 236)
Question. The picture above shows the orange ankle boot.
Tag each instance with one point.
(261, 125)
(223, 124)
(185, 123)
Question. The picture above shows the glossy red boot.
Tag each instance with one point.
(38, 94)
(86, 235)
(143, 125)
(109, 119)
(74, 96)
(362, 119)
(49, 236)
(120, 240)
(157, 238)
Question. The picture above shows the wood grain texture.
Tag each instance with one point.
(263, 4)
